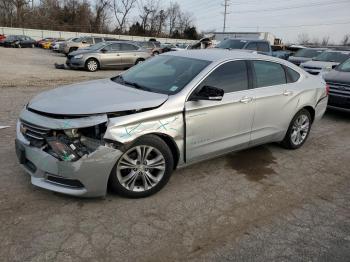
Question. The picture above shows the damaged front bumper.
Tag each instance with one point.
(86, 177)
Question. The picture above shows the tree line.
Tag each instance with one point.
(134, 17)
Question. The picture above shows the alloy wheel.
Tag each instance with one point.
(92, 65)
(300, 129)
(140, 168)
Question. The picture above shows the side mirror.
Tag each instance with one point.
(208, 93)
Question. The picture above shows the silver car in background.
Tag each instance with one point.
(132, 131)
(117, 54)
(325, 61)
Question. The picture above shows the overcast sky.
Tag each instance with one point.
(318, 18)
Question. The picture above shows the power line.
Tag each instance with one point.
(291, 7)
(226, 5)
(305, 25)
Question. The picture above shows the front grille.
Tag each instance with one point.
(66, 182)
(35, 134)
(339, 88)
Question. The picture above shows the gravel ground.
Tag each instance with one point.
(261, 204)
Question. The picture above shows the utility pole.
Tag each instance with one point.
(225, 5)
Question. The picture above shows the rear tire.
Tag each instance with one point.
(143, 169)
(72, 49)
(92, 65)
(140, 60)
(298, 131)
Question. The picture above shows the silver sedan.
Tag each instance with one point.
(132, 131)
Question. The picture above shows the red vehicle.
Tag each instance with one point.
(2, 39)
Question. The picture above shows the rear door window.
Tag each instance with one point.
(292, 76)
(269, 73)
(128, 47)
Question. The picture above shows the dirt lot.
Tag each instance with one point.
(262, 204)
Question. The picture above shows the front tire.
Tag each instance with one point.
(92, 65)
(144, 168)
(298, 131)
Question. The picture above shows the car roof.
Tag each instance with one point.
(217, 54)
(246, 39)
(339, 51)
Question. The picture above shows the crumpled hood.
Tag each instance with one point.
(94, 97)
(319, 64)
(338, 77)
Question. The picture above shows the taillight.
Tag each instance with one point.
(327, 89)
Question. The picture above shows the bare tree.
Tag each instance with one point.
(345, 40)
(101, 15)
(303, 38)
(122, 9)
(325, 41)
(173, 13)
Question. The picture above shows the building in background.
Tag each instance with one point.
(219, 36)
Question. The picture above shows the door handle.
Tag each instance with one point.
(287, 93)
(246, 100)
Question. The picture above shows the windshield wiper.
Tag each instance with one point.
(133, 84)
(137, 86)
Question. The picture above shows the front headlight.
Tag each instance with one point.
(78, 56)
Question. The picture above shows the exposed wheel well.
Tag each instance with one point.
(172, 145)
(311, 111)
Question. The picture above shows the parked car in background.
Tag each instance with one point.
(133, 130)
(2, 39)
(19, 41)
(305, 54)
(325, 61)
(151, 46)
(339, 86)
(40, 42)
(55, 46)
(117, 54)
(283, 54)
(63, 45)
(83, 42)
(261, 46)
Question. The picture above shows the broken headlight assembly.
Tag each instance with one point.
(73, 144)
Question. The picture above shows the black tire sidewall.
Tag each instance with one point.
(158, 143)
(287, 142)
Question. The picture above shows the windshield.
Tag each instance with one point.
(231, 44)
(77, 40)
(344, 67)
(338, 57)
(308, 53)
(163, 74)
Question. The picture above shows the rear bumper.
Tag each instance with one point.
(87, 177)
